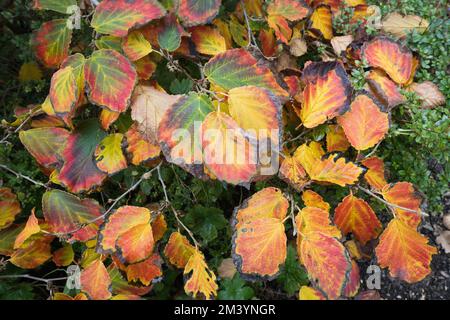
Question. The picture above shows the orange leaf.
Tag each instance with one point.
(201, 278)
(136, 244)
(312, 220)
(33, 254)
(405, 251)
(139, 149)
(326, 261)
(95, 281)
(394, 59)
(178, 250)
(354, 281)
(259, 233)
(321, 22)
(385, 90)
(31, 227)
(336, 139)
(364, 124)
(312, 199)
(354, 215)
(308, 155)
(208, 40)
(159, 227)
(292, 172)
(403, 194)
(220, 133)
(375, 175)
(145, 271)
(63, 256)
(327, 93)
(119, 222)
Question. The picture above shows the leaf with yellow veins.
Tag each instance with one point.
(259, 233)
(138, 148)
(321, 23)
(136, 46)
(313, 199)
(308, 155)
(327, 93)
(405, 252)
(122, 220)
(326, 261)
(31, 227)
(109, 155)
(336, 139)
(178, 250)
(354, 215)
(308, 293)
(221, 133)
(146, 271)
(375, 175)
(95, 281)
(255, 109)
(136, 244)
(208, 40)
(64, 91)
(200, 278)
(292, 172)
(364, 124)
(403, 194)
(337, 170)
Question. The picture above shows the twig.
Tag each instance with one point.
(370, 193)
(27, 276)
(19, 175)
(4, 140)
(294, 226)
(163, 185)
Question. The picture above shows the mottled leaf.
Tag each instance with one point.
(95, 281)
(109, 155)
(196, 12)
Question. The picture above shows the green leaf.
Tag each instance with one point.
(206, 222)
(235, 289)
(170, 36)
(292, 275)
(60, 6)
(182, 86)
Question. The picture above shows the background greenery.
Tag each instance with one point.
(416, 150)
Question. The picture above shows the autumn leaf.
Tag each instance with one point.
(292, 172)
(138, 148)
(60, 6)
(79, 172)
(321, 22)
(405, 252)
(308, 293)
(109, 156)
(354, 281)
(45, 144)
(327, 262)
(208, 40)
(51, 42)
(327, 93)
(400, 26)
(9, 207)
(315, 200)
(364, 124)
(375, 175)
(146, 271)
(200, 278)
(336, 139)
(110, 79)
(259, 232)
(280, 12)
(136, 244)
(64, 256)
(64, 91)
(196, 12)
(313, 220)
(394, 59)
(33, 254)
(403, 194)
(64, 212)
(117, 17)
(119, 223)
(237, 68)
(429, 94)
(135, 46)
(220, 133)
(107, 118)
(178, 250)
(31, 228)
(95, 281)
(385, 90)
(354, 215)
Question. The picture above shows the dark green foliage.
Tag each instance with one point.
(235, 289)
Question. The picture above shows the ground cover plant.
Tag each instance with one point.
(164, 149)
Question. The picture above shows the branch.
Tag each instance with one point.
(27, 276)
(31, 114)
(175, 212)
(19, 175)
(370, 193)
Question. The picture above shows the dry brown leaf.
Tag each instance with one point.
(148, 107)
(298, 47)
(444, 241)
(429, 94)
(400, 26)
(227, 269)
(341, 43)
